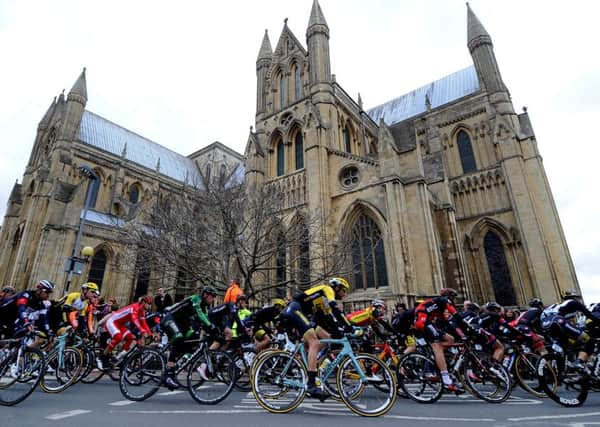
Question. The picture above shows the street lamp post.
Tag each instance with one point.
(74, 262)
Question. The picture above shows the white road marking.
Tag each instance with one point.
(549, 417)
(121, 403)
(402, 417)
(67, 414)
(207, 411)
(171, 393)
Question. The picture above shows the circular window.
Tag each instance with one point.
(349, 177)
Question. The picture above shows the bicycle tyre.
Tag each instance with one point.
(92, 372)
(525, 373)
(419, 378)
(355, 391)
(274, 393)
(221, 379)
(142, 374)
(556, 378)
(490, 380)
(32, 366)
(63, 373)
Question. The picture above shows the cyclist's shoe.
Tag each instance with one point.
(171, 383)
(473, 377)
(121, 356)
(313, 391)
(103, 362)
(203, 371)
(374, 378)
(454, 388)
(580, 367)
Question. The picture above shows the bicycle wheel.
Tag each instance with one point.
(142, 374)
(560, 382)
(242, 369)
(526, 374)
(366, 385)
(419, 378)
(221, 374)
(62, 369)
(487, 379)
(327, 373)
(20, 374)
(279, 382)
(92, 372)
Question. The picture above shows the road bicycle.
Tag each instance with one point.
(279, 380)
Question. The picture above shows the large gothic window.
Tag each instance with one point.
(299, 150)
(143, 269)
(297, 83)
(97, 268)
(280, 158)
(504, 291)
(465, 149)
(368, 254)
(93, 186)
(347, 140)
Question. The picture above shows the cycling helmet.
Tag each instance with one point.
(492, 306)
(378, 303)
(278, 301)
(535, 302)
(45, 285)
(209, 290)
(571, 295)
(146, 299)
(470, 305)
(339, 283)
(91, 286)
(241, 297)
(448, 292)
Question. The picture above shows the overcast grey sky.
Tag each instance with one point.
(182, 73)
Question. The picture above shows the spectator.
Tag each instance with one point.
(233, 292)
(162, 300)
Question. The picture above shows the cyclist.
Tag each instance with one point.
(117, 326)
(492, 324)
(75, 307)
(27, 310)
(373, 316)
(434, 317)
(319, 302)
(528, 323)
(556, 320)
(182, 320)
(260, 320)
(403, 322)
(224, 316)
(239, 329)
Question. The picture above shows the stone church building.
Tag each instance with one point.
(440, 187)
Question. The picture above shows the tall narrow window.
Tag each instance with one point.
(465, 149)
(504, 291)
(347, 140)
(299, 149)
(93, 186)
(280, 158)
(208, 172)
(297, 82)
(97, 268)
(282, 91)
(280, 266)
(134, 194)
(143, 268)
(304, 263)
(368, 254)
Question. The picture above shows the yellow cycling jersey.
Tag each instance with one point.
(77, 302)
(318, 299)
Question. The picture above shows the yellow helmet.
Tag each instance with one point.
(338, 282)
(279, 301)
(90, 286)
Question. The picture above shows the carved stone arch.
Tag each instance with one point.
(477, 232)
(464, 127)
(455, 187)
(358, 207)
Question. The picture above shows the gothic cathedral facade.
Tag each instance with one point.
(441, 187)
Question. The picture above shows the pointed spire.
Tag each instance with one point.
(79, 90)
(46, 119)
(476, 33)
(158, 165)
(266, 51)
(316, 15)
(360, 102)
(124, 152)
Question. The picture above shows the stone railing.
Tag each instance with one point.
(293, 188)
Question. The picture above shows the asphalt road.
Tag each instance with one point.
(102, 405)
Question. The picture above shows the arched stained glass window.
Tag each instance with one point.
(97, 268)
(299, 150)
(134, 194)
(93, 187)
(347, 139)
(465, 149)
(297, 82)
(368, 254)
(504, 291)
(280, 158)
